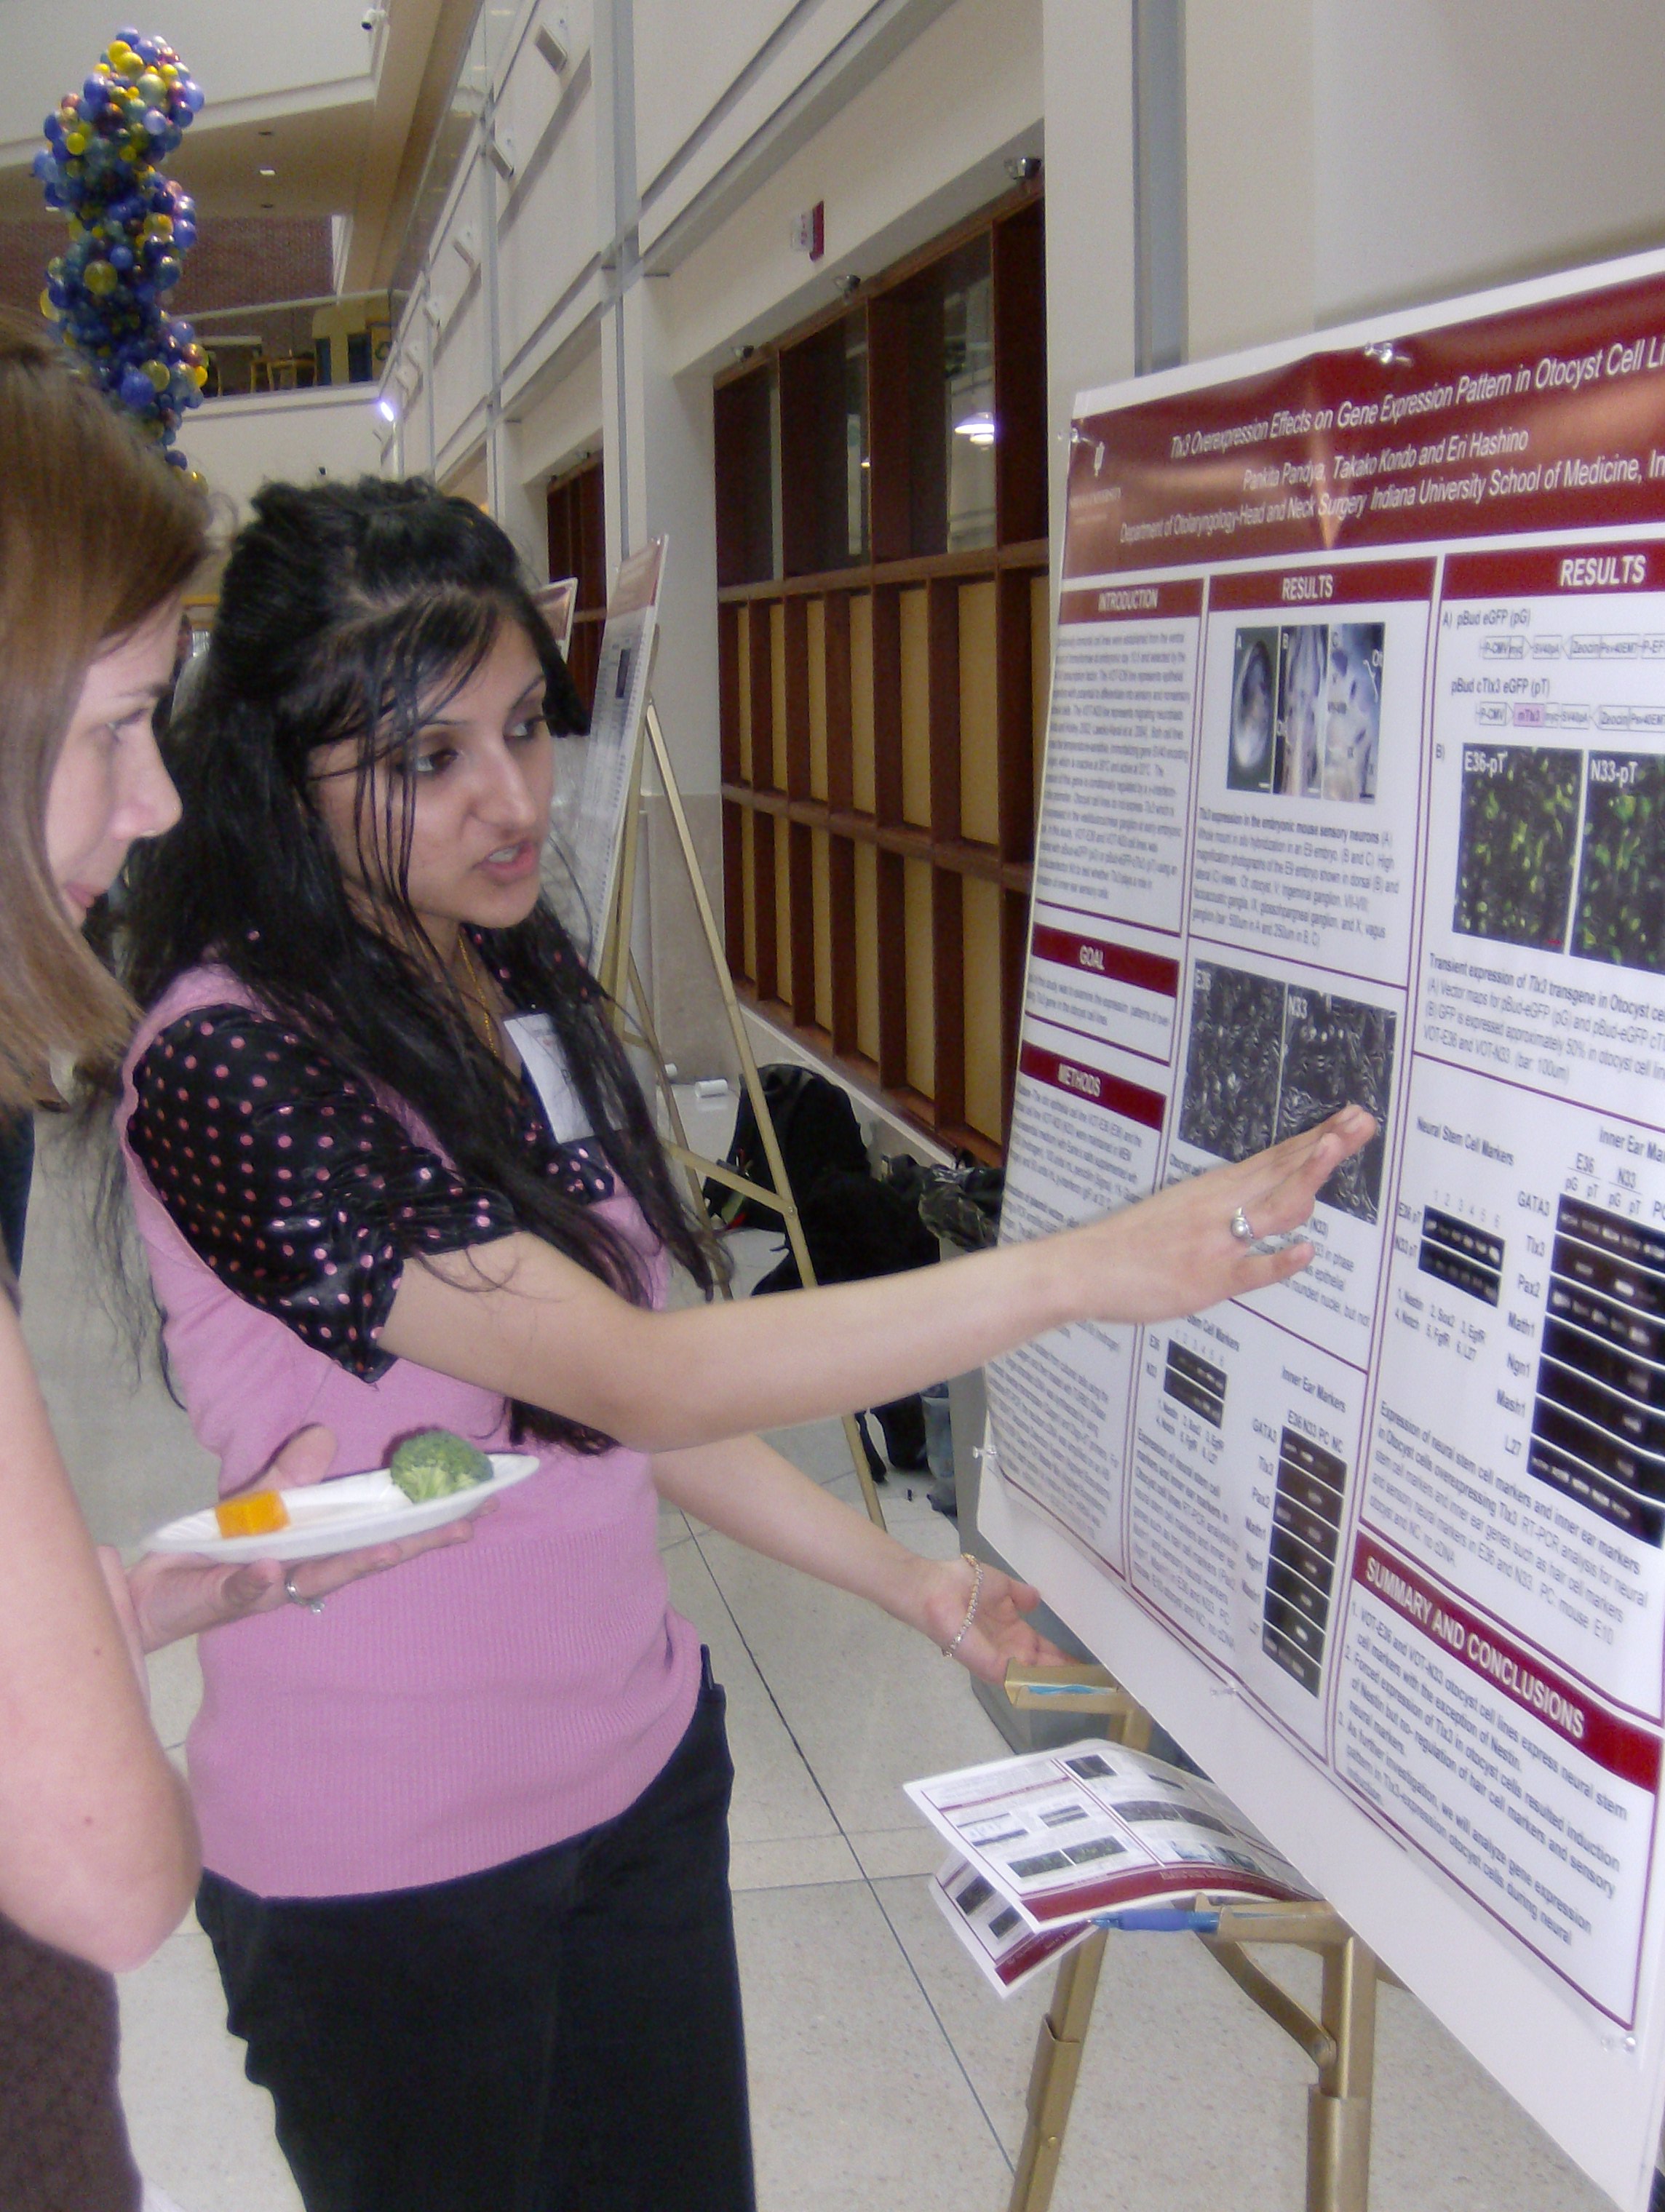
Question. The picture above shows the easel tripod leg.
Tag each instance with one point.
(1338, 2107)
(1058, 2049)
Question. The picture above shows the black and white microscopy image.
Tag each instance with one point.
(1230, 1104)
(1303, 708)
(1621, 881)
(1254, 710)
(1352, 716)
(1516, 843)
(1337, 1053)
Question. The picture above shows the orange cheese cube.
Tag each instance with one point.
(256, 1515)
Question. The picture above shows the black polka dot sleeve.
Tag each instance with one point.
(283, 1173)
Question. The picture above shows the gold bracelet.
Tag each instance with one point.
(977, 1567)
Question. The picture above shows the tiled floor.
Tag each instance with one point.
(884, 2073)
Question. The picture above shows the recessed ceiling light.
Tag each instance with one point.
(268, 172)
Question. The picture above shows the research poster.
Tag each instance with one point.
(593, 834)
(1355, 790)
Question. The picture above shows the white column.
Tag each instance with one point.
(1091, 277)
(1250, 164)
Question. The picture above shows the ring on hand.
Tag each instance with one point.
(1240, 1227)
(977, 1567)
(312, 1604)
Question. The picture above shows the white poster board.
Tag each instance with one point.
(1355, 788)
(593, 835)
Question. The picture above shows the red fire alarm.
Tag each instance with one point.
(809, 231)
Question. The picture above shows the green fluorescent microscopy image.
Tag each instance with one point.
(1620, 914)
(1515, 846)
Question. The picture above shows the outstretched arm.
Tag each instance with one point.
(97, 1849)
(515, 1316)
(747, 1491)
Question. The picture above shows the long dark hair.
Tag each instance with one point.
(356, 611)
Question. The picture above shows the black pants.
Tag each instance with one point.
(559, 2034)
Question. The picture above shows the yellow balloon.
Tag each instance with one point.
(76, 141)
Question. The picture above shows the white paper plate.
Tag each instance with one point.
(337, 1525)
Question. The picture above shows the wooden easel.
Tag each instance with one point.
(616, 970)
(1340, 2042)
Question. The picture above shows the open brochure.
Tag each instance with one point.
(1094, 1828)
(1008, 1952)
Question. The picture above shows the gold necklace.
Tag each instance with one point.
(476, 1002)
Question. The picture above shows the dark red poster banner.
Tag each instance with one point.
(1132, 603)
(1360, 583)
(1534, 1684)
(1541, 572)
(1121, 963)
(1130, 1100)
(1550, 417)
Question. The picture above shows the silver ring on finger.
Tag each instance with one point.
(312, 1604)
(1241, 1228)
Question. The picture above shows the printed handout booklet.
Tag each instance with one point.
(1092, 1828)
(1008, 1952)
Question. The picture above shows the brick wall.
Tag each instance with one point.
(237, 261)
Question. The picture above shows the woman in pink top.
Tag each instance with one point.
(464, 1823)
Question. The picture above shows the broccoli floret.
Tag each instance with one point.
(436, 1463)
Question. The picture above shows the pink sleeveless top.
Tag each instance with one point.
(474, 1704)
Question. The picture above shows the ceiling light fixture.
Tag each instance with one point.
(268, 172)
(979, 427)
(387, 409)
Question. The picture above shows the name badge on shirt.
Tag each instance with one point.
(541, 1056)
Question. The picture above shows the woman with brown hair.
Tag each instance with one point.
(98, 1848)
(97, 1845)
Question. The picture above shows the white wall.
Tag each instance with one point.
(1458, 143)
(1345, 155)
(287, 436)
(314, 47)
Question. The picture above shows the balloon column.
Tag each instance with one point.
(130, 225)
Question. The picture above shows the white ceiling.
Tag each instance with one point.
(299, 87)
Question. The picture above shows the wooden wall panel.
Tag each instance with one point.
(835, 613)
(864, 887)
(1015, 711)
(975, 663)
(881, 705)
(737, 834)
(777, 695)
(749, 895)
(918, 1046)
(729, 694)
(1020, 376)
(787, 835)
(799, 962)
(842, 947)
(914, 704)
(982, 956)
(894, 994)
(766, 971)
(949, 992)
(815, 696)
(887, 706)
(1040, 673)
(743, 745)
(821, 916)
(864, 776)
